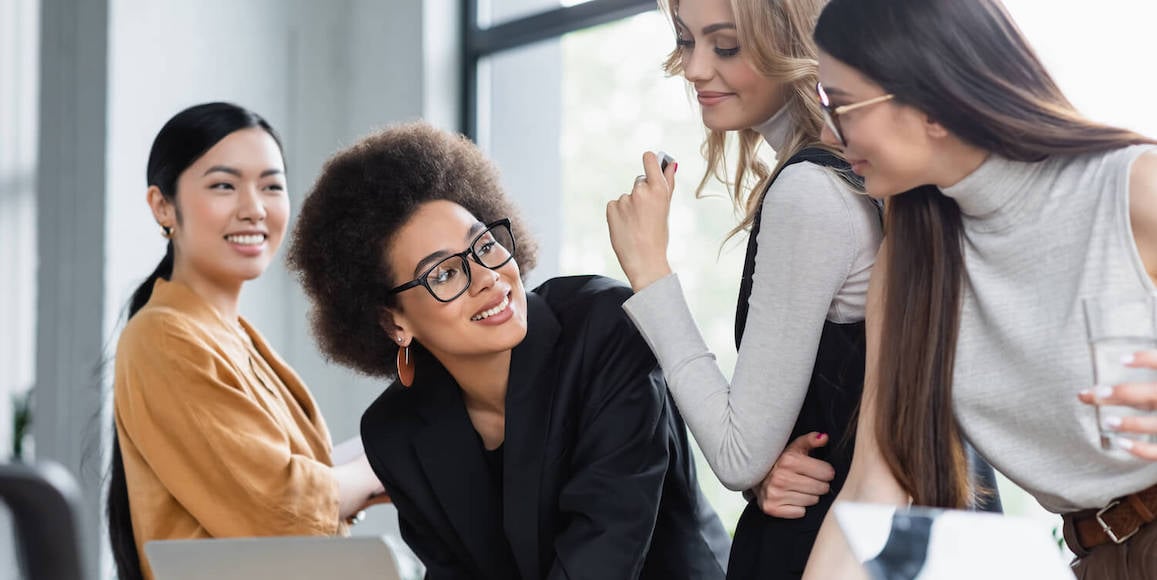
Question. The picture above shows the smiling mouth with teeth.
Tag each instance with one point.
(488, 313)
(246, 240)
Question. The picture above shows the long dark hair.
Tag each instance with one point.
(966, 65)
(179, 144)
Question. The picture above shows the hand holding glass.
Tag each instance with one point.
(1118, 327)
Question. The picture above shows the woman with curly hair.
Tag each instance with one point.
(527, 434)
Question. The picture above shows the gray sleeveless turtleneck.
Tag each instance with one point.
(1038, 238)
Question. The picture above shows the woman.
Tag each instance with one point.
(528, 434)
(800, 317)
(215, 435)
(1005, 208)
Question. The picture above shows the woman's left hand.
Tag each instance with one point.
(1141, 396)
(638, 224)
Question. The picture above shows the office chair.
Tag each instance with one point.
(43, 502)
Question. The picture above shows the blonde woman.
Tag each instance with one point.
(780, 427)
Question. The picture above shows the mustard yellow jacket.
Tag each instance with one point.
(220, 437)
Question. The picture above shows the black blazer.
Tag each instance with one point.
(598, 479)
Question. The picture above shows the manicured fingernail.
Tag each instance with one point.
(1110, 423)
(822, 436)
(1123, 443)
(676, 168)
(1102, 391)
(1128, 359)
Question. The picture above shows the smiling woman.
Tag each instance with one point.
(215, 435)
(529, 434)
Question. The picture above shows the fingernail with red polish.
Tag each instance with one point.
(675, 168)
(822, 436)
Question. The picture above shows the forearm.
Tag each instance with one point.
(356, 484)
(742, 425)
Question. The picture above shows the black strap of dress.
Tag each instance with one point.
(815, 155)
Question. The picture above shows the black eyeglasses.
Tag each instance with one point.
(832, 114)
(450, 277)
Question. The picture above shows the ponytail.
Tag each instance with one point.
(143, 292)
(120, 522)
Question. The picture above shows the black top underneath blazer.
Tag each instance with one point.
(597, 481)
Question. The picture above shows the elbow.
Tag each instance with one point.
(738, 480)
(737, 469)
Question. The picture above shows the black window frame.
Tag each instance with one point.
(479, 43)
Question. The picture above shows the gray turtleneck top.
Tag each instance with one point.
(817, 243)
(1038, 237)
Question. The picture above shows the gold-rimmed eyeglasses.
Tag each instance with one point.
(832, 114)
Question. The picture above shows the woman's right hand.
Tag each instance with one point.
(797, 480)
(638, 224)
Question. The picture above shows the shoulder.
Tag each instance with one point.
(165, 330)
(808, 189)
(1143, 173)
(1142, 200)
(1142, 185)
(589, 310)
(571, 297)
(810, 204)
(395, 403)
(390, 424)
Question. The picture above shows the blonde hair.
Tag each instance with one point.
(775, 37)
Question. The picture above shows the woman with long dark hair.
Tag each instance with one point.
(215, 435)
(1006, 207)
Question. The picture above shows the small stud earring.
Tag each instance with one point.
(167, 232)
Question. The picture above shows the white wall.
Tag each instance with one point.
(19, 35)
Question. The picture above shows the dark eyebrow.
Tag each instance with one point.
(434, 257)
(237, 172)
(473, 231)
(223, 169)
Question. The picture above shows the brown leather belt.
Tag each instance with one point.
(1116, 522)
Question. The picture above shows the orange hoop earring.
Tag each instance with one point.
(405, 367)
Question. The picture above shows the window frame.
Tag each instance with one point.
(479, 43)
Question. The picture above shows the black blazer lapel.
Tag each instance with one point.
(451, 456)
(529, 398)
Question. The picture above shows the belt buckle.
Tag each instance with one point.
(1109, 529)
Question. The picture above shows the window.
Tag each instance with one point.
(567, 118)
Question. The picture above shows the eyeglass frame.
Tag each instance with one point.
(832, 114)
(469, 252)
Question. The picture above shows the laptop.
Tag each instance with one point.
(933, 544)
(285, 558)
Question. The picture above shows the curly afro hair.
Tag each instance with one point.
(364, 195)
